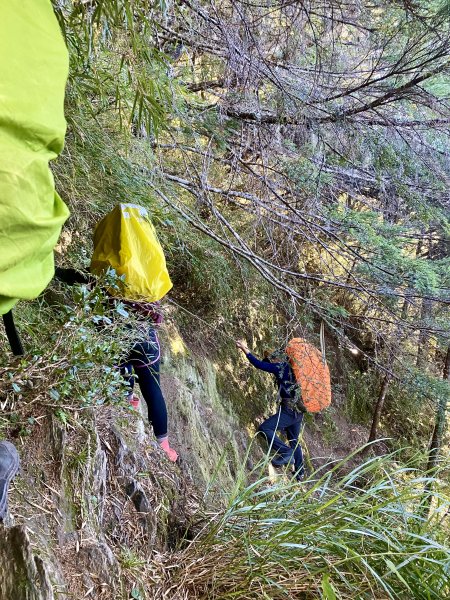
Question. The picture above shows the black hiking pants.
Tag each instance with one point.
(145, 365)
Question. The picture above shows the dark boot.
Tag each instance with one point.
(9, 465)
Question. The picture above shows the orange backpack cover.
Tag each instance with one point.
(311, 373)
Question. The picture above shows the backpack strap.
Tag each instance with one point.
(13, 336)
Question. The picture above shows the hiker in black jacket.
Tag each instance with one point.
(289, 416)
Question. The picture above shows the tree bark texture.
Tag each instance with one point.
(424, 335)
(439, 427)
(378, 409)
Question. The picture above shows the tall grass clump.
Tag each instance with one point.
(359, 535)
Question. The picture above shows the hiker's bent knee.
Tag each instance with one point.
(267, 431)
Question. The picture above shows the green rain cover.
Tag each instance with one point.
(33, 74)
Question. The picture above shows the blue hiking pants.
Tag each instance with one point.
(289, 422)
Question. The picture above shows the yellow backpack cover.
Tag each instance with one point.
(126, 240)
(34, 64)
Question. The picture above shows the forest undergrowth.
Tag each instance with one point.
(365, 534)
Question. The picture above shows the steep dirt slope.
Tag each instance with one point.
(97, 502)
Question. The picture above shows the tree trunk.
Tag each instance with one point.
(406, 302)
(378, 409)
(424, 336)
(425, 312)
(436, 441)
(439, 426)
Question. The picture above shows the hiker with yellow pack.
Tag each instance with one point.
(303, 382)
(126, 241)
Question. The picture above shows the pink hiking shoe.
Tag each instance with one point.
(171, 454)
(134, 401)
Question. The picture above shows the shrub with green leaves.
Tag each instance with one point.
(74, 342)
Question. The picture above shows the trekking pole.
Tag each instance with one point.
(12, 335)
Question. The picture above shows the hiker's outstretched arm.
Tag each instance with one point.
(259, 364)
(242, 346)
(268, 367)
(72, 276)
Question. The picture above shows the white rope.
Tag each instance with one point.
(322, 342)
